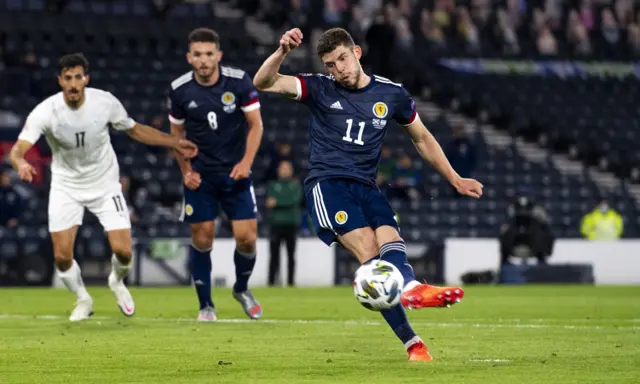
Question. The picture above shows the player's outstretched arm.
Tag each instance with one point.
(268, 79)
(431, 151)
(16, 156)
(150, 136)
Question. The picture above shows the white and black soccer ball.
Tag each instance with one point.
(378, 285)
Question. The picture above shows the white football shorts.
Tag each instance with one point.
(66, 207)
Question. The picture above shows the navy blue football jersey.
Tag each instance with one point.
(213, 117)
(346, 126)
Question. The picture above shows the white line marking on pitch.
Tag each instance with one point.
(490, 361)
(338, 322)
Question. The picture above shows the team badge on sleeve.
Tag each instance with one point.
(341, 217)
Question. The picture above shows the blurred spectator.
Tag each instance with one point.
(284, 197)
(577, 35)
(381, 41)
(386, 166)
(526, 232)
(609, 29)
(10, 200)
(468, 31)
(461, 152)
(547, 45)
(281, 153)
(586, 15)
(634, 40)
(603, 223)
(405, 180)
(505, 30)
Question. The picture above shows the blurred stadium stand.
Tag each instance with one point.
(571, 139)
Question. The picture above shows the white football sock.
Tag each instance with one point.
(121, 270)
(72, 278)
(410, 285)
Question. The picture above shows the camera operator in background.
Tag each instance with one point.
(526, 233)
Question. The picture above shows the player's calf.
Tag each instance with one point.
(244, 257)
(69, 272)
(200, 265)
(121, 262)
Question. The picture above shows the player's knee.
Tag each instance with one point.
(122, 251)
(63, 258)
(202, 236)
(246, 241)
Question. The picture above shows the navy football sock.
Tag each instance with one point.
(244, 266)
(397, 318)
(200, 262)
(396, 253)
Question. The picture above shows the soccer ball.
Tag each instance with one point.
(378, 285)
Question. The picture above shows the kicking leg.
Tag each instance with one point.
(363, 245)
(245, 232)
(200, 263)
(415, 295)
(121, 262)
(69, 271)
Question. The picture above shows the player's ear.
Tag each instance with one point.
(86, 79)
(357, 50)
(220, 55)
(60, 80)
(188, 56)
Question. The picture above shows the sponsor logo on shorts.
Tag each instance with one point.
(188, 210)
(341, 217)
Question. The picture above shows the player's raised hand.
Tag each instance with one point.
(192, 180)
(26, 172)
(291, 40)
(240, 171)
(469, 187)
(187, 148)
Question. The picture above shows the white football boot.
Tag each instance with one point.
(123, 297)
(207, 314)
(83, 310)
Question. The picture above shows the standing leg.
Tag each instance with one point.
(245, 232)
(200, 264)
(121, 261)
(274, 254)
(65, 216)
(291, 238)
(70, 273)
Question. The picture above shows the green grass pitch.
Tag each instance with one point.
(515, 335)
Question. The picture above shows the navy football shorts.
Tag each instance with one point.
(338, 206)
(236, 198)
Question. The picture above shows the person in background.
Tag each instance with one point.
(405, 180)
(461, 152)
(527, 232)
(603, 223)
(10, 201)
(284, 197)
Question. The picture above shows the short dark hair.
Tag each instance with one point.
(73, 60)
(332, 39)
(204, 35)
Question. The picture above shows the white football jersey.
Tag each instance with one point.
(83, 157)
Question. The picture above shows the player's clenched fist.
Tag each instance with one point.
(291, 39)
(469, 187)
(26, 172)
(192, 180)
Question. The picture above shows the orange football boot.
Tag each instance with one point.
(419, 352)
(430, 296)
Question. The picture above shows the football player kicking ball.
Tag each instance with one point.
(85, 174)
(349, 113)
